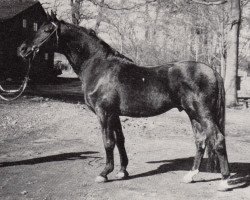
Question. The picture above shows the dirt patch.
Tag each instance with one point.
(51, 149)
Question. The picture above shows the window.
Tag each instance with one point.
(24, 23)
(35, 26)
(46, 56)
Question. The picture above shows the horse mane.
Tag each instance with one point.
(111, 52)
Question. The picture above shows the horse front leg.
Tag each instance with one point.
(120, 141)
(109, 144)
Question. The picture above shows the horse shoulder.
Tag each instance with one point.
(101, 88)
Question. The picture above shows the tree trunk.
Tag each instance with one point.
(232, 54)
(223, 65)
(223, 46)
(223, 52)
(147, 24)
(99, 16)
(75, 11)
(197, 47)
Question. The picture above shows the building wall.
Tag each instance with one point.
(12, 33)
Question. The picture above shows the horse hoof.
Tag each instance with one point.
(187, 179)
(122, 175)
(224, 186)
(101, 179)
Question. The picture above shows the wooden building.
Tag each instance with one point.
(18, 20)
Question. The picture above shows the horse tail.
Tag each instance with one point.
(219, 118)
(220, 115)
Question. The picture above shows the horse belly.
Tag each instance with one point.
(143, 104)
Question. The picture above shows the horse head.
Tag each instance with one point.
(48, 33)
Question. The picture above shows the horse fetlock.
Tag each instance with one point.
(188, 178)
(124, 162)
(108, 169)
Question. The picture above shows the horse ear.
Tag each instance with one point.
(48, 16)
(53, 16)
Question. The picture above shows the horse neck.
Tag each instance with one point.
(79, 48)
(75, 45)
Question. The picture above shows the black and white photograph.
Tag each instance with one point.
(124, 99)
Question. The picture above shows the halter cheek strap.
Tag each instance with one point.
(56, 30)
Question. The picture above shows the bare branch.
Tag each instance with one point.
(105, 5)
(208, 3)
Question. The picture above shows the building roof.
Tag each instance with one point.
(10, 8)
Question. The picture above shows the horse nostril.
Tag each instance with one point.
(24, 48)
(22, 51)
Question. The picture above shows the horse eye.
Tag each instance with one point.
(92, 32)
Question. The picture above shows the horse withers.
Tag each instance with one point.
(114, 86)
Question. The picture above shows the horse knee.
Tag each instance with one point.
(109, 145)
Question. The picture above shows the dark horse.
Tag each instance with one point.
(114, 86)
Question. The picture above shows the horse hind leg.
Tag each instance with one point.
(217, 152)
(120, 141)
(226, 182)
(220, 149)
(210, 135)
(200, 142)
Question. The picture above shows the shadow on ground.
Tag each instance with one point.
(241, 171)
(51, 158)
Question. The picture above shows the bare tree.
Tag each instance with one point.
(232, 48)
(75, 11)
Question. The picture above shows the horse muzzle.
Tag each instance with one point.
(26, 52)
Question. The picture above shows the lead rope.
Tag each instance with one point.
(35, 50)
(21, 88)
